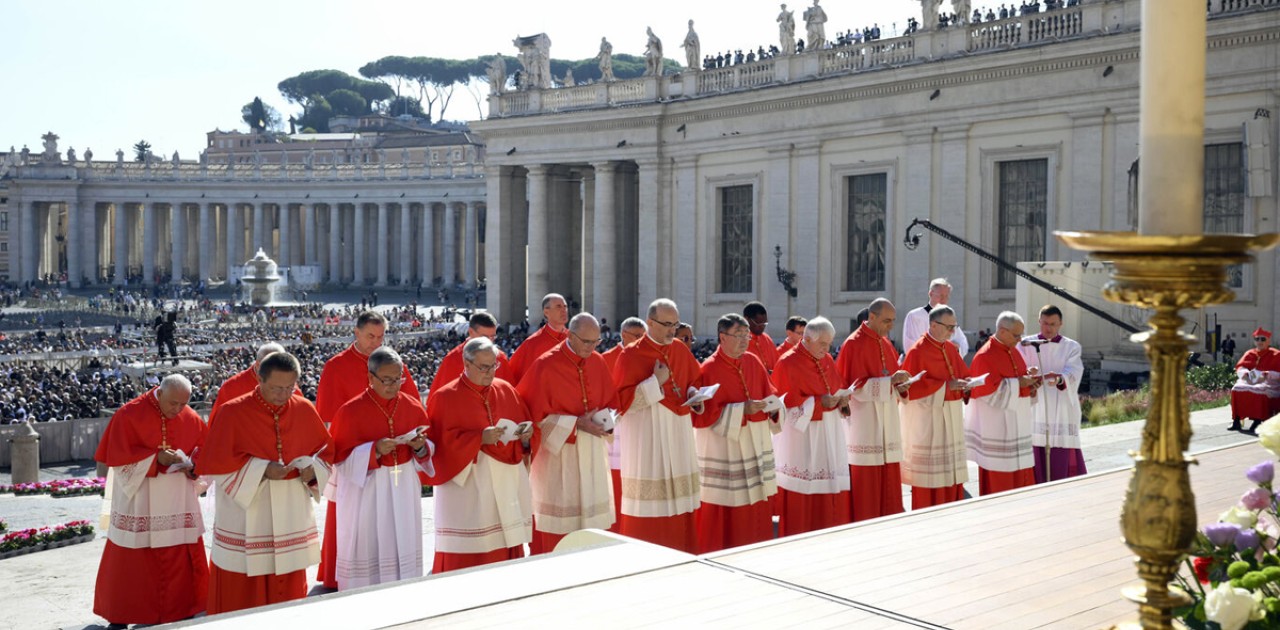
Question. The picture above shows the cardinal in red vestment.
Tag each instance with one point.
(244, 381)
(660, 485)
(935, 464)
(345, 376)
(1256, 393)
(761, 344)
(998, 418)
(481, 324)
(153, 568)
(556, 313)
(271, 458)
(484, 510)
(735, 445)
(629, 332)
(564, 390)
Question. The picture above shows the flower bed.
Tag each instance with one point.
(1130, 405)
(59, 487)
(30, 540)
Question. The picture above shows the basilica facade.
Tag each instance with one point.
(719, 186)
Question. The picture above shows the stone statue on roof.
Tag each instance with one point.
(605, 59)
(787, 31)
(816, 24)
(652, 55)
(497, 72)
(692, 49)
(535, 57)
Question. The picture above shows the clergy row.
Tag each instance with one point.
(1256, 393)
(641, 439)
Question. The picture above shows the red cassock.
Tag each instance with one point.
(1000, 362)
(538, 343)
(799, 375)
(160, 584)
(562, 383)
(741, 379)
(240, 383)
(252, 433)
(1254, 405)
(345, 376)
(785, 347)
(458, 416)
(762, 346)
(451, 367)
(875, 490)
(364, 419)
(941, 362)
(634, 366)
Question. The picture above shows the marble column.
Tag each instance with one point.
(604, 235)
(450, 245)
(73, 243)
(358, 273)
(206, 240)
(427, 260)
(177, 240)
(89, 232)
(150, 217)
(235, 238)
(286, 234)
(537, 270)
(260, 238)
(309, 245)
(121, 227)
(405, 268)
(647, 270)
(335, 245)
(383, 238)
(469, 241)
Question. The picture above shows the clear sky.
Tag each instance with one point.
(103, 74)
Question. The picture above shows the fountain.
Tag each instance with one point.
(260, 274)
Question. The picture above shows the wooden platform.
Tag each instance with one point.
(1043, 557)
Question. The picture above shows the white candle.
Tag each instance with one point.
(1171, 121)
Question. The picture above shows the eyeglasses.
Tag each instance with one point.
(590, 342)
(949, 327)
(739, 336)
(664, 324)
(388, 381)
(483, 368)
(1261, 338)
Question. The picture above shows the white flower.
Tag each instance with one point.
(1241, 516)
(1269, 437)
(1230, 607)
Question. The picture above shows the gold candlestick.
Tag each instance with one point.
(1167, 274)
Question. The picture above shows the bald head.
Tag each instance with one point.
(584, 334)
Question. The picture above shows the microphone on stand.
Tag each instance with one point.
(1033, 341)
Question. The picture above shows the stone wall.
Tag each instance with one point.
(65, 441)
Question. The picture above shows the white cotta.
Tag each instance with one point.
(736, 461)
(146, 513)
(810, 454)
(265, 527)
(659, 459)
(998, 429)
(933, 441)
(572, 486)
(379, 521)
(487, 506)
(873, 432)
(1055, 414)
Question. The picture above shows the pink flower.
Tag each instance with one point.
(1256, 499)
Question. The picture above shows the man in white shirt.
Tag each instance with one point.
(916, 323)
(1056, 411)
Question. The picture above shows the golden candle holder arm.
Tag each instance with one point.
(1165, 274)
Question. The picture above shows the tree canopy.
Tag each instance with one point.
(261, 117)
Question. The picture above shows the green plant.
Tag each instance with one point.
(1216, 377)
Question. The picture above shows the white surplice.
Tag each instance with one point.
(379, 520)
(1056, 413)
(146, 513)
(485, 507)
(659, 459)
(263, 526)
(873, 431)
(998, 429)
(736, 461)
(933, 442)
(572, 486)
(810, 454)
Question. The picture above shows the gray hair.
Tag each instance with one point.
(581, 319)
(1007, 319)
(728, 321)
(546, 300)
(939, 312)
(817, 327)
(877, 305)
(661, 303)
(382, 357)
(175, 380)
(631, 323)
(938, 282)
(477, 345)
(268, 348)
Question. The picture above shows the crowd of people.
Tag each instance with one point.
(528, 439)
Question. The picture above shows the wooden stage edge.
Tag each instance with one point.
(1049, 556)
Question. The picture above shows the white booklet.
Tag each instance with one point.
(605, 419)
(699, 395)
(185, 464)
(411, 435)
(913, 380)
(843, 393)
(975, 381)
(774, 403)
(510, 428)
(305, 461)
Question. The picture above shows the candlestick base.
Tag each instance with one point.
(1166, 274)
